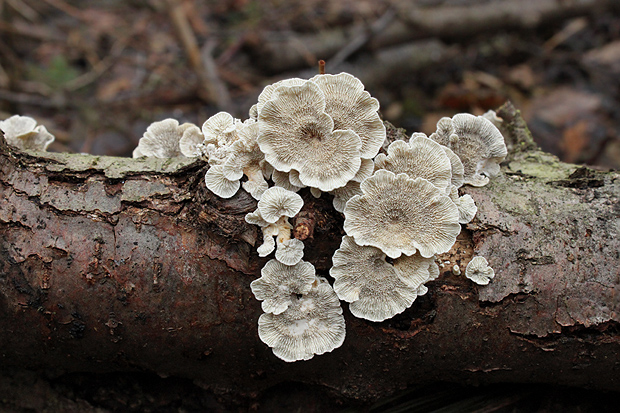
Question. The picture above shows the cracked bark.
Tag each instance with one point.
(114, 264)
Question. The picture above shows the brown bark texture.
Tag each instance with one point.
(114, 264)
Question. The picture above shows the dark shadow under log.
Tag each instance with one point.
(112, 264)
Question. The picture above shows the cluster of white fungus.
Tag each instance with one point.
(24, 133)
(325, 134)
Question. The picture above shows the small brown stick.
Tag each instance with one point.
(304, 225)
(321, 67)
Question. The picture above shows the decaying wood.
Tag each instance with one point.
(115, 264)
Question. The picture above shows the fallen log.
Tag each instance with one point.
(115, 264)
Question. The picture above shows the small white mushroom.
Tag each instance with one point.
(415, 270)
(400, 215)
(277, 202)
(290, 251)
(344, 193)
(220, 129)
(456, 270)
(191, 143)
(312, 324)
(372, 286)
(219, 184)
(296, 133)
(246, 159)
(161, 139)
(492, 116)
(476, 141)
(23, 133)
(281, 179)
(420, 158)
(465, 204)
(351, 107)
(478, 271)
(280, 284)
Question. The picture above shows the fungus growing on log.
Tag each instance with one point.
(23, 133)
(478, 271)
(400, 215)
(477, 142)
(161, 139)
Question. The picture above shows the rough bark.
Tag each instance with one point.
(114, 264)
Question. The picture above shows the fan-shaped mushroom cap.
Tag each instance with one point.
(254, 112)
(282, 179)
(415, 270)
(492, 116)
(368, 282)
(420, 158)
(476, 141)
(220, 129)
(218, 184)
(296, 133)
(478, 271)
(351, 107)
(161, 139)
(269, 92)
(343, 194)
(400, 215)
(466, 205)
(246, 158)
(293, 177)
(290, 251)
(279, 284)
(457, 168)
(191, 143)
(23, 133)
(312, 324)
(277, 202)
(366, 170)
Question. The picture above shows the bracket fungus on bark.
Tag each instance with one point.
(325, 133)
(372, 285)
(161, 139)
(296, 133)
(420, 158)
(280, 284)
(400, 215)
(278, 202)
(24, 133)
(312, 324)
(477, 142)
(478, 271)
(351, 107)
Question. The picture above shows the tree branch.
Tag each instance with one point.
(115, 264)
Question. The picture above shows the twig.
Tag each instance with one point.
(201, 61)
(34, 100)
(4, 78)
(100, 68)
(360, 40)
(216, 86)
(24, 9)
(67, 9)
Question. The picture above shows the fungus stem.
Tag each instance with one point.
(321, 67)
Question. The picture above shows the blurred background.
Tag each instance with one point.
(96, 73)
